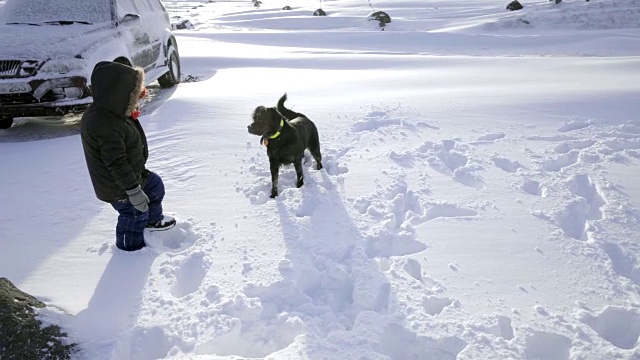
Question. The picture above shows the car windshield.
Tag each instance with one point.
(55, 12)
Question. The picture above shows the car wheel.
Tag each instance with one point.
(6, 121)
(171, 77)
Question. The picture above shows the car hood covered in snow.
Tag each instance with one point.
(41, 42)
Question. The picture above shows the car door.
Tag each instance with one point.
(152, 22)
(133, 30)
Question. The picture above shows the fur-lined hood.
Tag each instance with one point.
(116, 87)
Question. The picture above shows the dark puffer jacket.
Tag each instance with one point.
(115, 146)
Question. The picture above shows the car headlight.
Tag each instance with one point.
(69, 93)
(55, 67)
(62, 66)
(28, 68)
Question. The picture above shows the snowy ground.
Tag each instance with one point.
(480, 197)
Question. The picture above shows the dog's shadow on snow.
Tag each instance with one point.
(335, 286)
(328, 265)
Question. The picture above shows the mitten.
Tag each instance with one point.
(138, 199)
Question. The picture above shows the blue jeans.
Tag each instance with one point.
(131, 222)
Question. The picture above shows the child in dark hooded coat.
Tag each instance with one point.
(115, 149)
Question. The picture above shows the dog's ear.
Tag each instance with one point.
(257, 111)
(274, 116)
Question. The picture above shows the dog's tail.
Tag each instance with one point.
(286, 113)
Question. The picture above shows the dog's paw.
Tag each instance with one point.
(274, 193)
(299, 183)
(319, 166)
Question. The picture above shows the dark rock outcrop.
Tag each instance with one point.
(22, 336)
(181, 25)
(514, 5)
(381, 17)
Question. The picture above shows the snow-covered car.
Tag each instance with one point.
(48, 50)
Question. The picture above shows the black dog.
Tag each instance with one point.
(286, 134)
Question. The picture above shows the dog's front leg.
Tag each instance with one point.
(298, 166)
(275, 168)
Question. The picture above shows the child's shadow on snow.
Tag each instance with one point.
(116, 302)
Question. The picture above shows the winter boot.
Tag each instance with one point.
(166, 223)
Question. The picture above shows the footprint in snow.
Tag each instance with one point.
(397, 342)
(506, 164)
(179, 238)
(560, 162)
(188, 273)
(332, 161)
(403, 159)
(574, 125)
(151, 342)
(534, 188)
(447, 159)
(571, 218)
(618, 325)
(489, 138)
(435, 305)
(548, 346)
(622, 262)
(581, 185)
(574, 218)
(502, 328)
(413, 268)
(447, 210)
(566, 146)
